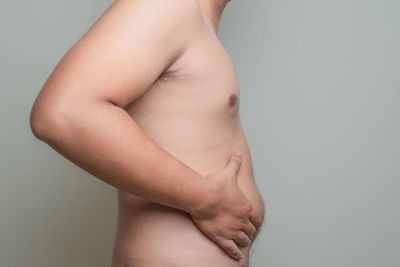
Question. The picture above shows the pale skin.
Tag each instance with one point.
(148, 101)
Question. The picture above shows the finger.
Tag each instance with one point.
(256, 220)
(242, 239)
(249, 229)
(231, 249)
(234, 163)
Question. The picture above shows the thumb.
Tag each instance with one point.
(235, 162)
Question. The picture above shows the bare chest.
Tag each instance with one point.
(205, 72)
(204, 77)
(195, 103)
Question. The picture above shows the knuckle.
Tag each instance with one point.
(241, 239)
(259, 221)
(247, 209)
(242, 221)
(256, 220)
(257, 224)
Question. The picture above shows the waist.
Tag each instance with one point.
(149, 234)
(154, 228)
(204, 161)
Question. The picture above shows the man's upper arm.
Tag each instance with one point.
(123, 53)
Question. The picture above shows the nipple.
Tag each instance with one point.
(232, 100)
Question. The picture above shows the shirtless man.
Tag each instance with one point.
(148, 101)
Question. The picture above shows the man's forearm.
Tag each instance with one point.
(104, 140)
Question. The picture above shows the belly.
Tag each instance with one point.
(150, 234)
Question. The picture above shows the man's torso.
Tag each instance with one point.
(192, 111)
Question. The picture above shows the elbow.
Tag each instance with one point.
(41, 125)
(44, 121)
(54, 120)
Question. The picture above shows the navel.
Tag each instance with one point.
(232, 100)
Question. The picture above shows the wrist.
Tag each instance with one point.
(203, 192)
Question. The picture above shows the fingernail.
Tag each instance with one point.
(238, 155)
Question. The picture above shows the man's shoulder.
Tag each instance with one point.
(186, 12)
(179, 9)
(174, 16)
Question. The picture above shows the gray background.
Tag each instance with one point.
(320, 103)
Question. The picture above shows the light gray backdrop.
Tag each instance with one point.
(320, 103)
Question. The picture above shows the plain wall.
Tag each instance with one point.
(320, 106)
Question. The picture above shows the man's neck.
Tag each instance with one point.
(213, 9)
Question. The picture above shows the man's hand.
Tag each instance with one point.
(226, 217)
